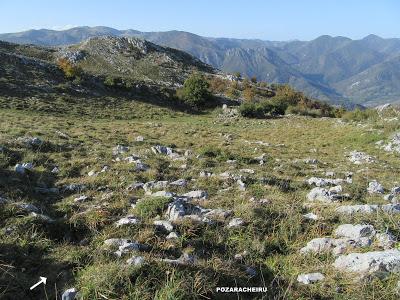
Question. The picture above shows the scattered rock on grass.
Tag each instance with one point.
(69, 294)
(236, 223)
(374, 187)
(128, 220)
(164, 225)
(310, 278)
(370, 263)
(136, 261)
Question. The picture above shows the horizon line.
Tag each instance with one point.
(211, 37)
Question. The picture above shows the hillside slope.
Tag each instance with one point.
(318, 67)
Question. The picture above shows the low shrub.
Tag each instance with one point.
(262, 109)
(150, 207)
(70, 70)
(360, 115)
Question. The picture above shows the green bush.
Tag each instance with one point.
(262, 109)
(150, 207)
(303, 111)
(360, 115)
(195, 91)
(110, 81)
(251, 110)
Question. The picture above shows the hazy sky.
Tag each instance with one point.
(264, 19)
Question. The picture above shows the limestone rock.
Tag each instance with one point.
(375, 262)
(128, 220)
(374, 187)
(69, 294)
(136, 261)
(165, 225)
(310, 278)
(354, 231)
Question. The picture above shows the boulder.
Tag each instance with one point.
(375, 262)
(185, 259)
(164, 225)
(319, 194)
(358, 208)
(218, 213)
(30, 141)
(74, 188)
(359, 158)
(132, 159)
(162, 194)
(323, 181)
(158, 149)
(128, 220)
(310, 278)
(28, 207)
(123, 245)
(179, 182)
(141, 167)
(354, 231)
(42, 217)
(394, 144)
(155, 185)
(199, 194)
(172, 236)
(374, 187)
(81, 199)
(22, 168)
(236, 223)
(176, 210)
(136, 261)
(311, 216)
(335, 246)
(69, 294)
(135, 186)
(241, 185)
(120, 149)
(385, 240)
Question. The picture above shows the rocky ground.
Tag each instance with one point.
(174, 206)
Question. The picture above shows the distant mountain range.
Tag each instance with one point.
(337, 69)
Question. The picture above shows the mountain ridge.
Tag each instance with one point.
(323, 68)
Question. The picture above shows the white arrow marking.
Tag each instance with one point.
(42, 280)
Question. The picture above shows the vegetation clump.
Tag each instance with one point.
(285, 101)
(361, 115)
(195, 91)
(70, 70)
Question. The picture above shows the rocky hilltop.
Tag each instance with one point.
(133, 58)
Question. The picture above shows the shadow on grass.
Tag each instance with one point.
(20, 268)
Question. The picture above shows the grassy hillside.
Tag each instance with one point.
(64, 240)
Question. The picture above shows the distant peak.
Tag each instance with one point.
(372, 37)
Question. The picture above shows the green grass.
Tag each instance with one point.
(70, 252)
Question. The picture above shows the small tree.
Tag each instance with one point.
(246, 83)
(195, 91)
(232, 92)
(249, 94)
(70, 70)
(253, 79)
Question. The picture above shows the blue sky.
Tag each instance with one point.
(268, 20)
